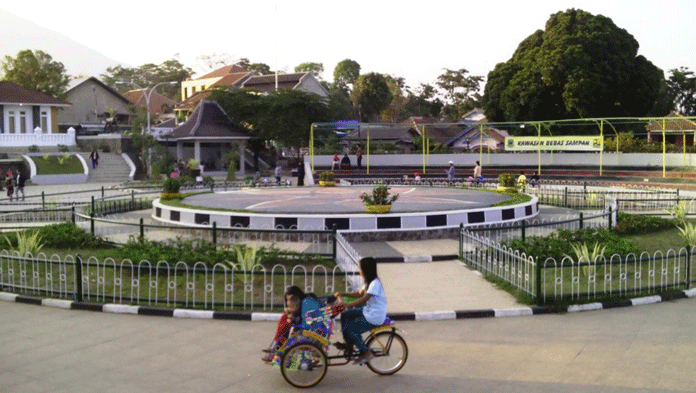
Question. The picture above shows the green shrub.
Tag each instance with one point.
(63, 148)
(507, 180)
(62, 236)
(635, 224)
(33, 148)
(560, 244)
(104, 147)
(172, 186)
(327, 176)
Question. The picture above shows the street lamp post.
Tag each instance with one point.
(147, 94)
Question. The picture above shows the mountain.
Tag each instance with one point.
(17, 33)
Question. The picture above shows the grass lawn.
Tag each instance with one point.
(52, 166)
(662, 240)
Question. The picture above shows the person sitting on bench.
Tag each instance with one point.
(345, 162)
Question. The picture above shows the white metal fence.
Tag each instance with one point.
(181, 284)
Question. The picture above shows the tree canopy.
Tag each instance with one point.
(148, 75)
(461, 92)
(284, 116)
(371, 94)
(314, 68)
(681, 91)
(36, 70)
(346, 72)
(581, 65)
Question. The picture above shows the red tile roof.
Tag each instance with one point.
(220, 72)
(158, 102)
(12, 93)
(190, 103)
(231, 79)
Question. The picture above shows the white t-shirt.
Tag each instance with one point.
(375, 310)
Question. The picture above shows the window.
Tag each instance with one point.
(22, 122)
(44, 121)
(11, 122)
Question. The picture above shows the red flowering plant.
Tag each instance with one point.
(380, 196)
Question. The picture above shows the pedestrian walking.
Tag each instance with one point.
(20, 180)
(94, 156)
(450, 172)
(478, 178)
(9, 183)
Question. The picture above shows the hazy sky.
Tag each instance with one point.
(415, 40)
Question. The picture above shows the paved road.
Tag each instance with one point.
(641, 349)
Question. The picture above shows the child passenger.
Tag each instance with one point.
(293, 305)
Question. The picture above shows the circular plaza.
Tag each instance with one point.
(342, 207)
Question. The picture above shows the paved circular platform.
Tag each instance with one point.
(319, 208)
(340, 200)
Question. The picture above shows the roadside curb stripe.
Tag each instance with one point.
(399, 316)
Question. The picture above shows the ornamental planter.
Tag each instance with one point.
(378, 209)
(327, 183)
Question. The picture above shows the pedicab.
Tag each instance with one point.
(304, 357)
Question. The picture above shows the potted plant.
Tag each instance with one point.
(507, 183)
(326, 179)
(193, 165)
(380, 200)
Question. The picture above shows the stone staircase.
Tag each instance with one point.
(112, 168)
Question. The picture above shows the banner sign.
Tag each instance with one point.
(555, 143)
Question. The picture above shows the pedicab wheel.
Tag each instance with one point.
(303, 365)
(390, 353)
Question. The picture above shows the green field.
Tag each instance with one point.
(52, 165)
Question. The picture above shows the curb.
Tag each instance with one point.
(404, 316)
(414, 259)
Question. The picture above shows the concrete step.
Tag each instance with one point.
(112, 168)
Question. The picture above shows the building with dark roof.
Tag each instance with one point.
(207, 136)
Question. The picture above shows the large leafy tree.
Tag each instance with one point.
(681, 91)
(346, 72)
(148, 75)
(394, 111)
(461, 92)
(371, 94)
(282, 116)
(36, 70)
(315, 68)
(259, 68)
(423, 102)
(581, 65)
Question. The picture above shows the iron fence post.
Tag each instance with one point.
(79, 295)
(334, 231)
(609, 226)
(461, 241)
(581, 223)
(43, 200)
(565, 198)
(72, 210)
(91, 222)
(524, 229)
(688, 266)
(215, 233)
(142, 229)
(538, 281)
(102, 189)
(93, 205)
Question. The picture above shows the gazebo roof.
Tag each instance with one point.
(209, 122)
